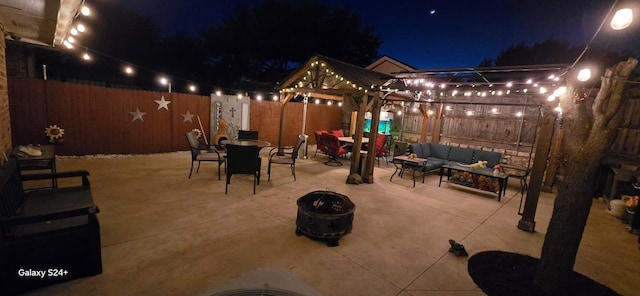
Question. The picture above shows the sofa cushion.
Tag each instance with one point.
(439, 151)
(492, 158)
(461, 155)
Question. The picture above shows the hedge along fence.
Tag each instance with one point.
(97, 120)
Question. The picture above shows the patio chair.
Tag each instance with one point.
(339, 133)
(288, 158)
(247, 135)
(200, 152)
(319, 144)
(381, 148)
(243, 160)
(333, 149)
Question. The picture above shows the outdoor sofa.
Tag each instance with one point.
(440, 154)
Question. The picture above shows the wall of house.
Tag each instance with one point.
(5, 114)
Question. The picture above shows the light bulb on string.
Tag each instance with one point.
(584, 74)
(86, 55)
(81, 28)
(85, 11)
(128, 70)
(622, 19)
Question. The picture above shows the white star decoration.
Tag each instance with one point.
(188, 117)
(137, 115)
(162, 103)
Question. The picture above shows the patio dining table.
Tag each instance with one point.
(351, 140)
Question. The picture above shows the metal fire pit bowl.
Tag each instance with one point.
(325, 215)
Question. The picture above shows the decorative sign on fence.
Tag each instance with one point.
(233, 109)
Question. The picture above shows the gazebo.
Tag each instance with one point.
(358, 88)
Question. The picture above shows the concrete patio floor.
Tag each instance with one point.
(165, 234)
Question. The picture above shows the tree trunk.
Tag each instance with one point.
(590, 126)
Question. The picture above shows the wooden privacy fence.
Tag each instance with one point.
(97, 120)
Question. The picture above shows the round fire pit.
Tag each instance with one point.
(325, 215)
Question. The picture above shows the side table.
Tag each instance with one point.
(47, 161)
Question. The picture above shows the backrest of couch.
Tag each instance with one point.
(426, 152)
(492, 158)
(439, 150)
(415, 148)
(462, 155)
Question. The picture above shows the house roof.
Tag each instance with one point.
(322, 75)
(388, 63)
(43, 22)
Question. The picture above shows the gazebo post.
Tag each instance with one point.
(528, 223)
(284, 102)
(367, 171)
(357, 137)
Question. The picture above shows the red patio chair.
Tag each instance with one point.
(319, 144)
(381, 148)
(332, 148)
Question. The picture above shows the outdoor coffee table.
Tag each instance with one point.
(478, 179)
(403, 162)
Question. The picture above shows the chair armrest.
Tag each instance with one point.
(29, 219)
(60, 175)
(276, 148)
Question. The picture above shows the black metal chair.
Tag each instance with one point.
(247, 135)
(285, 158)
(200, 152)
(243, 160)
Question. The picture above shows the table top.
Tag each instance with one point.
(406, 158)
(243, 142)
(351, 140)
(47, 153)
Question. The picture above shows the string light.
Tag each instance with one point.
(86, 55)
(622, 19)
(259, 97)
(85, 11)
(584, 74)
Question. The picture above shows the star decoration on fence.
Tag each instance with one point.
(162, 103)
(137, 115)
(188, 117)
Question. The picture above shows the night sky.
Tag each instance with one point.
(424, 34)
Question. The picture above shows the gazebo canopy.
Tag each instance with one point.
(324, 77)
